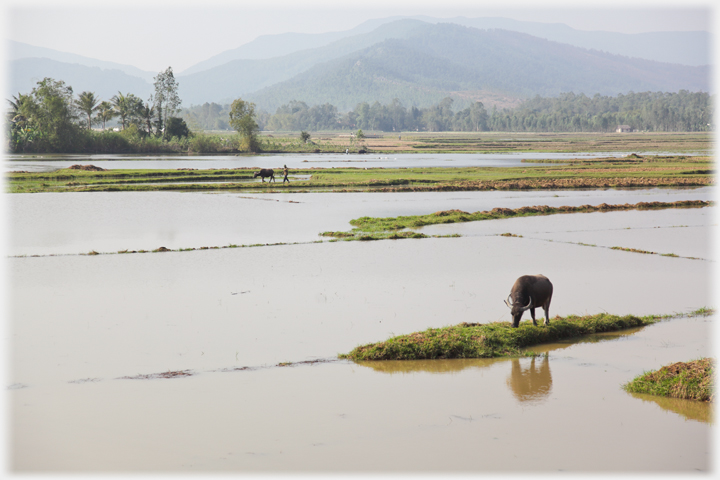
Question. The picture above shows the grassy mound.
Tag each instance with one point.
(691, 381)
(371, 224)
(490, 340)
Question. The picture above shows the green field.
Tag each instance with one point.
(630, 171)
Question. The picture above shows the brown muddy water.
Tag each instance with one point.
(225, 360)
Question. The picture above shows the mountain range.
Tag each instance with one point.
(417, 60)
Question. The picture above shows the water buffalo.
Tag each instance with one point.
(265, 172)
(528, 293)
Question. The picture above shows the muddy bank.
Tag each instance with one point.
(554, 184)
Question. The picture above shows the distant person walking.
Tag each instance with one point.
(285, 172)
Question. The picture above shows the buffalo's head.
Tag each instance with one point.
(517, 309)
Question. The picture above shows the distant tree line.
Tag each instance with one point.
(649, 111)
(52, 119)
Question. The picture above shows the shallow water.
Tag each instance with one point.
(253, 306)
(45, 163)
(212, 312)
(564, 413)
(71, 223)
(229, 317)
(685, 232)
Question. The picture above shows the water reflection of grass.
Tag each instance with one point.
(690, 409)
(430, 366)
(497, 339)
(450, 365)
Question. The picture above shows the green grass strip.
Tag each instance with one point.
(690, 380)
(499, 339)
(368, 225)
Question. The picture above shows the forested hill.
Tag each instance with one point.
(469, 64)
(282, 44)
(415, 62)
(238, 78)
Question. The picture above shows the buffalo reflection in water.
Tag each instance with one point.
(531, 383)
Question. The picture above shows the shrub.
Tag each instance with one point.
(201, 143)
(176, 127)
(109, 142)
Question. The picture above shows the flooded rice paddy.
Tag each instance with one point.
(45, 163)
(225, 360)
(106, 222)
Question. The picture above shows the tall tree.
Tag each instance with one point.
(122, 108)
(146, 114)
(105, 112)
(242, 119)
(128, 108)
(478, 115)
(45, 119)
(55, 114)
(15, 106)
(20, 122)
(167, 101)
(88, 104)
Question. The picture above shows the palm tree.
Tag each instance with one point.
(15, 105)
(15, 113)
(127, 108)
(122, 107)
(147, 113)
(88, 104)
(105, 112)
(20, 119)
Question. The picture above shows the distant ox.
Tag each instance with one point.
(265, 172)
(528, 293)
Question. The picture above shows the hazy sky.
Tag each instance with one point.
(155, 34)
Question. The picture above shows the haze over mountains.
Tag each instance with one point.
(418, 60)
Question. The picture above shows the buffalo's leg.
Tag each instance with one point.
(532, 314)
(547, 313)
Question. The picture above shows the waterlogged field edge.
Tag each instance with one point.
(369, 228)
(498, 339)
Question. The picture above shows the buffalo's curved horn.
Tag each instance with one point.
(529, 305)
(509, 304)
